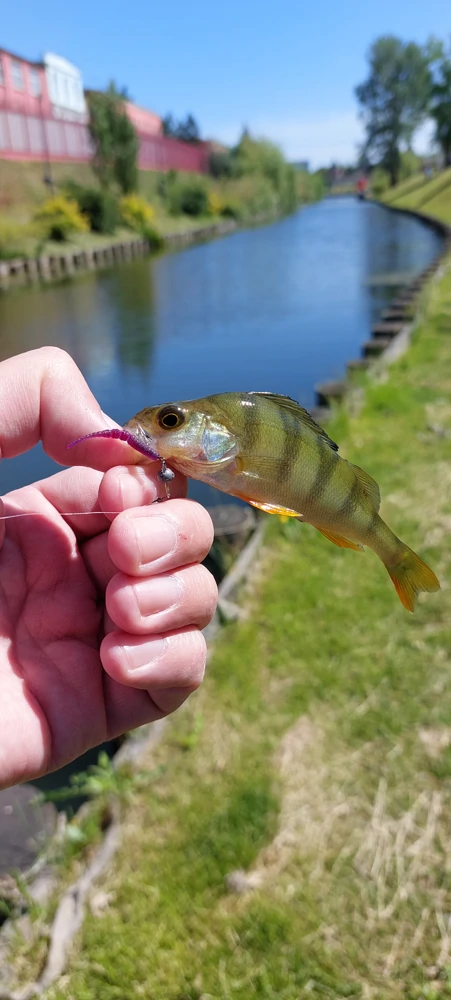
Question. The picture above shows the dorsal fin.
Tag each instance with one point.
(297, 410)
(369, 485)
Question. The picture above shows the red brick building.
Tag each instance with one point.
(44, 117)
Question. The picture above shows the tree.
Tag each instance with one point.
(115, 141)
(440, 109)
(169, 125)
(187, 130)
(394, 99)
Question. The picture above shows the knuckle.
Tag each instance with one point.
(56, 357)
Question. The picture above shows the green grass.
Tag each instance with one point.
(433, 197)
(406, 187)
(316, 758)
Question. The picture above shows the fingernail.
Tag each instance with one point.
(156, 537)
(159, 594)
(138, 657)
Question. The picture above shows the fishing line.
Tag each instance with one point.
(73, 513)
(164, 475)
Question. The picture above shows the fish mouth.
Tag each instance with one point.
(146, 440)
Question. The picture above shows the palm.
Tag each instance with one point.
(57, 700)
(52, 616)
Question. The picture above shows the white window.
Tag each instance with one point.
(17, 75)
(2, 78)
(35, 83)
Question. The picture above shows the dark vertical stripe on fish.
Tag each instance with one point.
(292, 442)
(253, 423)
(347, 507)
(325, 471)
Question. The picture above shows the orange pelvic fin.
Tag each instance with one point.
(343, 543)
(270, 508)
(410, 576)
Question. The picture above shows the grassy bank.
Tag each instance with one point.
(433, 197)
(253, 183)
(316, 758)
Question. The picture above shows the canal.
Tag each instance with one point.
(278, 307)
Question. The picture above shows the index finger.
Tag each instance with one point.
(44, 396)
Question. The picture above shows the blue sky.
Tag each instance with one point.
(286, 69)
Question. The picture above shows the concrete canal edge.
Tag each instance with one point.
(390, 337)
(54, 267)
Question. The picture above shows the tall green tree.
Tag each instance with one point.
(440, 109)
(115, 141)
(187, 129)
(394, 99)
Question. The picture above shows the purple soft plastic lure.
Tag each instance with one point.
(119, 433)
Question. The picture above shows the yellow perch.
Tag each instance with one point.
(268, 450)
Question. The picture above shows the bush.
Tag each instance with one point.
(380, 181)
(100, 207)
(215, 203)
(136, 212)
(189, 197)
(220, 163)
(13, 239)
(59, 217)
(153, 237)
(410, 165)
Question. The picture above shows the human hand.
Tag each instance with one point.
(100, 614)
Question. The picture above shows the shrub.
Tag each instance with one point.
(220, 163)
(232, 210)
(410, 165)
(153, 237)
(136, 212)
(215, 203)
(380, 181)
(99, 206)
(13, 239)
(58, 217)
(188, 196)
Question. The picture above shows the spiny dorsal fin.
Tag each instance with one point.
(298, 411)
(369, 485)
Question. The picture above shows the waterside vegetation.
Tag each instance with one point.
(249, 183)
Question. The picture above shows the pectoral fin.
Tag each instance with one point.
(343, 543)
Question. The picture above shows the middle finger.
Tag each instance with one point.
(162, 603)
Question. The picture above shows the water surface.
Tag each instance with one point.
(277, 308)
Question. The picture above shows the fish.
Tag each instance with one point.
(268, 450)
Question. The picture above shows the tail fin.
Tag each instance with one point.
(410, 575)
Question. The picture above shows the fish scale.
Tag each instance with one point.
(267, 450)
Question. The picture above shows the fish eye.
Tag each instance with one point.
(170, 418)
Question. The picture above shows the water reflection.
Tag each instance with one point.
(279, 307)
(131, 291)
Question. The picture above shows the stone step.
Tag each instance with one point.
(395, 315)
(357, 365)
(371, 348)
(386, 329)
(326, 391)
